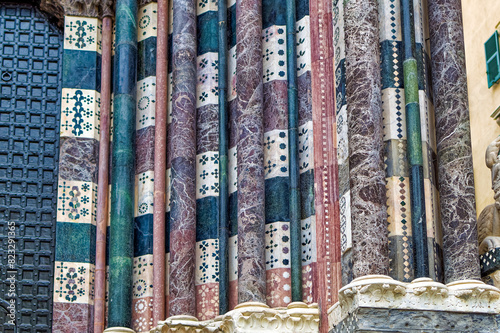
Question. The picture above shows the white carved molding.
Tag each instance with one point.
(379, 291)
(249, 317)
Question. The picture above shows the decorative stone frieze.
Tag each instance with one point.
(88, 8)
(249, 317)
(424, 294)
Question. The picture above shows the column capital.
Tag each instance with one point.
(249, 317)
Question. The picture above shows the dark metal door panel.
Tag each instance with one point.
(30, 88)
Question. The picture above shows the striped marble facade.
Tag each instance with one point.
(397, 173)
(326, 239)
(77, 183)
(207, 162)
(142, 293)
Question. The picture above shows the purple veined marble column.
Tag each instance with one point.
(250, 156)
(364, 116)
(455, 173)
(183, 170)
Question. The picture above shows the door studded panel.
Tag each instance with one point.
(30, 86)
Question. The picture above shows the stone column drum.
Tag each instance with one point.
(455, 173)
(364, 113)
(250, 156)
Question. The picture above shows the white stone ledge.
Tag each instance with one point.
(380, 291)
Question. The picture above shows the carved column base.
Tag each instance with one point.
(249, 317)
(118, 330)
(379, 303)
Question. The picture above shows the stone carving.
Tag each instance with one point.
(379, 291)
(88, 8)
(488, 224)
(249, 317)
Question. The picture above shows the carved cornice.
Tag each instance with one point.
(379, 291)
(87, 8)
(249, 317)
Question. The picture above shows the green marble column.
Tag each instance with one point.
(223, 162)
(122, 180)
(293, 143)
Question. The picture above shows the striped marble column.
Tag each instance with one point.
(455, 174)
(207, 163)
(122, 179)
(276, 155)
(364, 112)
(250, 155)
(77, 183)
(142, 292)
(342, 142)
(396, 163)
(183, 168)
(306, 152)
(232, 105)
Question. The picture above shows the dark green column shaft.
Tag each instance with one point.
(223, 160)
(414, 144)
(293, 143)
(122, 180)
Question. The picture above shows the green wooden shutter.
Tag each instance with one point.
(492, 59)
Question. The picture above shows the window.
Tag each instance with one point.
(492, 59)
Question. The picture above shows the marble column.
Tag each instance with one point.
(250, 156)
(455, 173)
(223, 226)
(306, 153)
(364, 113)
(122, 179)
(277, 147)
(293, 141)
(183, 160)
(207, 164)
(160, 162)
(414, 143)
(232, 168)
(145, 179)
(342, 143)
(103, 179)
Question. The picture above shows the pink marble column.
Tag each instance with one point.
(183, 170)
(160, 163)
(328, 272)
(103, 178)
(250, 156)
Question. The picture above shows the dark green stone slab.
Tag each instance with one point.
(81, 70)
(207, 217)
(75, 242)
